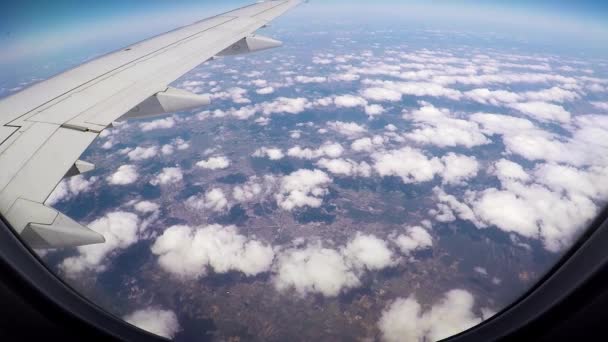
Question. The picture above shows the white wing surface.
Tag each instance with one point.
(45, 128)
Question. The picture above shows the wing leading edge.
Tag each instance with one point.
(45, 128)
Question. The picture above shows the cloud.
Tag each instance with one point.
(272, 153)
(141, 153)
(329, 149)
(160, 322)
(146, 206)
(439, 127)
(236, 94)
(346, 167)
(600, 105)
(414, 238)
(126, 174)
(543, 111)
(157, 124)
(374, 109)
(458, 167)
(349, 101)
(381, 94)
(552, 206)
(404, 319)
(411, 88)
(120, 229)
(349, 129)
(190, 252)
(407, 163)
(213, 199)
(265, 90)
(214, 163)
(313, 269)
(308, 79)
(285, 105)
(367, 252)
(168, 175)
(302, 188)
(69, 188)
(255, 188)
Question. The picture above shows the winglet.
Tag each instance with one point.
(44, 227)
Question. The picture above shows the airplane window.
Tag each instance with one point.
(391, 172)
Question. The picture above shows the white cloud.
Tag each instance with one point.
(272, 153)
(374, 109)
(413, 89)
(285, 105)
(69, 188)
(213, 199)
(120, 230)
(255, 188)
(146, 206)
(349, 129)
(601, 105)
(314, 269)
(404, 319)
(381, 94)
(543, 111)
(157, 124)
(345, 167)
(126, 174)
(191, 252)
(367, 144)
(329, 149)
(407, 163)
(167, 176)
(141, 153)
(439, 127)
(367, 252)
(309, 79)
(414, 238)
(458, 167)
(214, 163)
(349, 101)
(265, 90)
(160, 322)
(302, 188)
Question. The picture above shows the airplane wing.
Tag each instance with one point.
(45, 128)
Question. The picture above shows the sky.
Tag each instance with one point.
(31, 29)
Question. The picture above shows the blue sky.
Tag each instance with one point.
(36, 28)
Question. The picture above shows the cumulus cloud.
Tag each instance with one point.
(410, 164)
(163, 123)
(310, 79)
(160, 322)
(405, 320)
(543, 111)
(214, 163)
(302, 188)
(265, 90)
(189, 252)
(168, 175)
(410, 88)
(349, 129)
(349, 101)
(69, 188)
(551, 206)
(367, 252)
(285, 105)
(146, 206)
(141, 153)
(367, 144)
(329, 149)
(213, 199)
(255, 188)
(272, 153)
(314, 269)
(439, 127)
(458, 168)
(120, 229)
(125, 174)
(346, 167)
(414, 238)
(381, 94)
